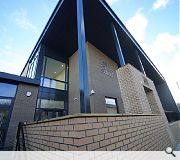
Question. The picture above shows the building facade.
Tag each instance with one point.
(84, 62)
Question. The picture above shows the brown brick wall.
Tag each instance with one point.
(98, 132)
(138, 91)
(139, 94)
(100, 81)
(23, 111)
(103, 84)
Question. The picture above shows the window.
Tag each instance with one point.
(53, 74)
(45, 103)
(48, 109)
(52, 101)
(5, 101)
(54, 69)
(7, 90)
(51, 83)
(111, 105)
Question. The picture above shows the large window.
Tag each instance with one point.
(111, 105)
(49, 109)
(53, 74)
(52, 98)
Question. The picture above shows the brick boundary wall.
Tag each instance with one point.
(100, 132)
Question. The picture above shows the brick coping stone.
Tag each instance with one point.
(89, 115)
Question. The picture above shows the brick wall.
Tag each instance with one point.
(102, 79)
(138, 91)
(103, 84)
(139, 94)
(23, 111)
(98, 132)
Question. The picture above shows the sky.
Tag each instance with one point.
(153, 23)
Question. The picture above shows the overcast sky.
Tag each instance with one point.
(153, 23)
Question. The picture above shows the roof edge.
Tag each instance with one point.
(59, 4)
(119, 22)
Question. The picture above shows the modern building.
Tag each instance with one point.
(85, 62)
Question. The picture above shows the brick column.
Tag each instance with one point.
(23, 111)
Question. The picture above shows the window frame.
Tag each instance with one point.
(116, 102)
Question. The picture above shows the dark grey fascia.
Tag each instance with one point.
(6, 77)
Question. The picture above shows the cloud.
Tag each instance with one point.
(10, 62)
(13, 56)
(111, 2)
(164, 44)
(137, 26)
(160, 4)
(163, 50)
(21, 19)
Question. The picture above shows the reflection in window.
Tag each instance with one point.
(49, 109)
(54, 69)
(50, 104)
(43, 113)
(31, 72)
(50, 83)
(5, 102)
(46, 82)
(111, 105)
(54, 74)
(7, 90)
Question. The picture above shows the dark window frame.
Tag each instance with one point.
(64, 111)
(117, 107)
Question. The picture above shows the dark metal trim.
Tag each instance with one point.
(82, 58)
(117, 106)
(140, 64)
(17, 148)
(67, 89)
(40, 62)
(20, 132)
(23, 139)
(16, 79)
(54, 79)
(118, 47)
(118, 21)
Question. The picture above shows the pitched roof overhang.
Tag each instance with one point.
(60, 34)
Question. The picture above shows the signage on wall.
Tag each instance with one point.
(106, 69)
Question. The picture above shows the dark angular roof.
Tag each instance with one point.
(60, 33)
